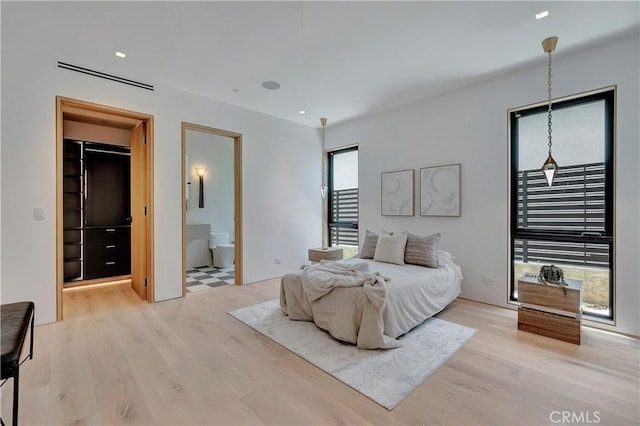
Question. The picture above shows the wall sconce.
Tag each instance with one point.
(200, 172)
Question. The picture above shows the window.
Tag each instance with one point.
(343, 200)
(569, 224)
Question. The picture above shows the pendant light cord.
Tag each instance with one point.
(549, 93)
(323, 121)
(550, 167)
(323, 187)
(322, 153)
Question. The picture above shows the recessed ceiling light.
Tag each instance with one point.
(271, 85)
(121, 54)
(542, 14)
(302, 111)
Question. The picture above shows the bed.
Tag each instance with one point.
(391, 301)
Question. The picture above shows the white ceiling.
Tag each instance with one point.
(341, 60)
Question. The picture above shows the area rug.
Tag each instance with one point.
(384, 376)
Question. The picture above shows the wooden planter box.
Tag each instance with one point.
(548, 311)
(325, 253)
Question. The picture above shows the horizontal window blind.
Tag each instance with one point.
(343, 236)
(344, 206)
(344, 217)
(575, 202)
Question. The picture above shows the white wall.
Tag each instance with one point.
(280, 163)
(215, 153)
(469, 126)
(1, 300)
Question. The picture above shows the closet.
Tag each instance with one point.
(96, 210)
(104, 202)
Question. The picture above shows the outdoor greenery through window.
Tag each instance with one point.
(343, 200)
(568, 224)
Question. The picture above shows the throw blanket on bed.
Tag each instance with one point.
(320, 279)
(352, 313)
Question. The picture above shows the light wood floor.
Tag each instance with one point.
(118, 360)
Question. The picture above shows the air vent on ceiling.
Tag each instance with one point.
(99, 74)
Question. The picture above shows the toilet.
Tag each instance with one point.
(223, 253)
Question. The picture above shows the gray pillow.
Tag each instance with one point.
(422, 251)
(368, 249)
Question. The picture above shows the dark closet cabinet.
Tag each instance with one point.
(72, 206)
(97, 230)
(107, 252)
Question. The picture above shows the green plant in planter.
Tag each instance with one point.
(551, 274)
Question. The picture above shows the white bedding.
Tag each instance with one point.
(411, 294)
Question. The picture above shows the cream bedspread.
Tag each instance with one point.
(369, 303)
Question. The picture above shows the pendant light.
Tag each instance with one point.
(323, 187)
(550, 167)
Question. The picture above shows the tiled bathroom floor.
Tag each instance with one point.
(205, 277)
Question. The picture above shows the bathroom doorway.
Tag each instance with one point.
(211, 207)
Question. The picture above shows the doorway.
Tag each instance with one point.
(113, 135)
(211, 207)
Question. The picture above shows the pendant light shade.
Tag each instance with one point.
(323, 186)
(323, 191)
(550, 167)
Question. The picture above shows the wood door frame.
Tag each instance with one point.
(93, 110)
(237, 198)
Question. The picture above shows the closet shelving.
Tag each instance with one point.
(73, 206)
(97, 216)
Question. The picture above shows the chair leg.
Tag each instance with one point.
(16, 381)
(33, 319)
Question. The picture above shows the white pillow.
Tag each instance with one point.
(390, 248)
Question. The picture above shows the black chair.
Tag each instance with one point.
(15, 319)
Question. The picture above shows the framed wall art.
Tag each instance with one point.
(397, 193)
(440, 190)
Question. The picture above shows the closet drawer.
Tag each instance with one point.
(107, 252)
(112, 268)
(108, 236)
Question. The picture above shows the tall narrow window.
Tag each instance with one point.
(568, 224)
(343, 200)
